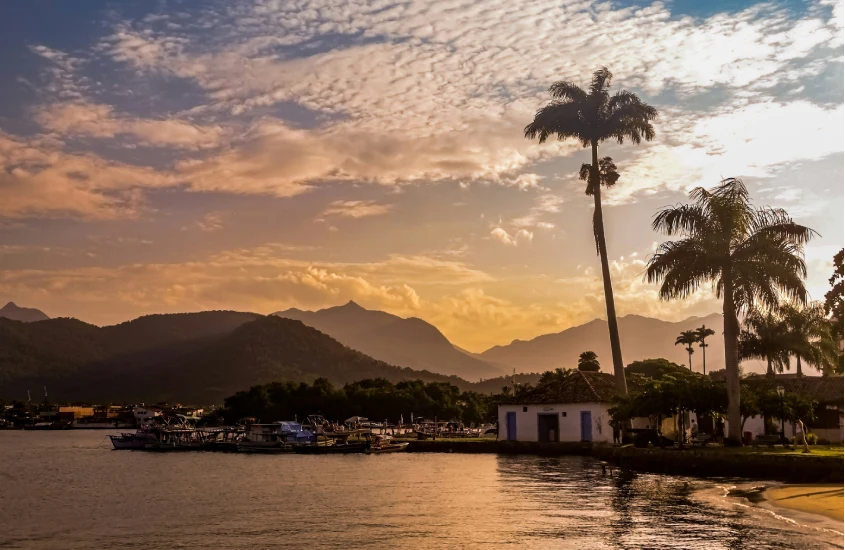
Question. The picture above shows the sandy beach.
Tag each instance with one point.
(825, 499)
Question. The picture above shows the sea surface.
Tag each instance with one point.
(69, 490)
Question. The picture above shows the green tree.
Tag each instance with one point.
(687, 338)
(833, 300)
(593, 117)
(702, 334)
(589, 361)
(750, 255)
(655, 368)
(810, 336)
(764, 336)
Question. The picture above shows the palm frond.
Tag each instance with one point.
(686, 219)
(601, 82)
(681, 267)
(567, 91)
(563, 119)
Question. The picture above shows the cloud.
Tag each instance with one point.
(438, 91)
(356, 209)
(521, 236)
(37, 178)
(81, 119)
(212, 221)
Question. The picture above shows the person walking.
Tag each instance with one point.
(617, 434)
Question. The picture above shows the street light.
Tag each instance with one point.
(780, 394)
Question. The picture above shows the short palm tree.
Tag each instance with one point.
(764, 336)
(687, 338)
(702, 334)
(750, 255)
(589, 361)
(810, 336)
(593, 117)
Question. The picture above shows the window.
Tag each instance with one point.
(563, 413)
(525, 409)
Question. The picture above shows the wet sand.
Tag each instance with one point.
(825, 500)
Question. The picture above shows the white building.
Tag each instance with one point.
(573, 410)
(828, 393)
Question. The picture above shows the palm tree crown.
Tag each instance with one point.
(810, 336)
(764, 336)
(589, 361)
(751, 256)
(592, 117)
(687, 338)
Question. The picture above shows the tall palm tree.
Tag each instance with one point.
(588, 361)
(702, 334)
(593, 117)
(687, 338)
(750, 255)
(810, 336)
(764, 336)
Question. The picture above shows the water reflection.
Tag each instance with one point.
(576, 505)
(62, 491)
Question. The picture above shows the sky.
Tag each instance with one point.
(171, 156)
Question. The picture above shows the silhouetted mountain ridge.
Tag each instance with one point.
(200, 357)
(24, 314)
(410, 342)
(641, 338)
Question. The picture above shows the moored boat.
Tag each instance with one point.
(384, 444)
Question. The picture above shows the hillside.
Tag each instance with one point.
(198, 357)
(25, 314)
(266, 350)
(411, 343)
(641, 338)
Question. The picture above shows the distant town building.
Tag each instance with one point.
(574, 410)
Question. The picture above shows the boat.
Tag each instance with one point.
(130, 441)
(383, 444)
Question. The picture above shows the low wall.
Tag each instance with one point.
(707, 462)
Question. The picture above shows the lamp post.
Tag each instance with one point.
(780, 394)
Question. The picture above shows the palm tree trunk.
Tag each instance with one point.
(598, 228)
(690, 359)
(731, 362)
(704, 357)
(798, 366)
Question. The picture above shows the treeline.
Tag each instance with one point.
(377, 399)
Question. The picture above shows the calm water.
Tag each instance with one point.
(61, 490)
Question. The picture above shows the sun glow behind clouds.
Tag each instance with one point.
(354, 121)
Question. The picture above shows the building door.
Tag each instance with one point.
(510, 422)
(586, 426)
(547, 427)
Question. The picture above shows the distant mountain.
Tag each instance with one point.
(411, 342)
(196, 357)
(25, 314)
(641, 338)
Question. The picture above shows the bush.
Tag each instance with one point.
(812, 439)
(823, 441)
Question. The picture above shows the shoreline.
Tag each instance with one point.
(817, 500)
(708, 462)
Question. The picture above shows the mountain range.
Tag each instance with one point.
(206, 356)
(196, 357)
(641, 338)
(410, 342)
